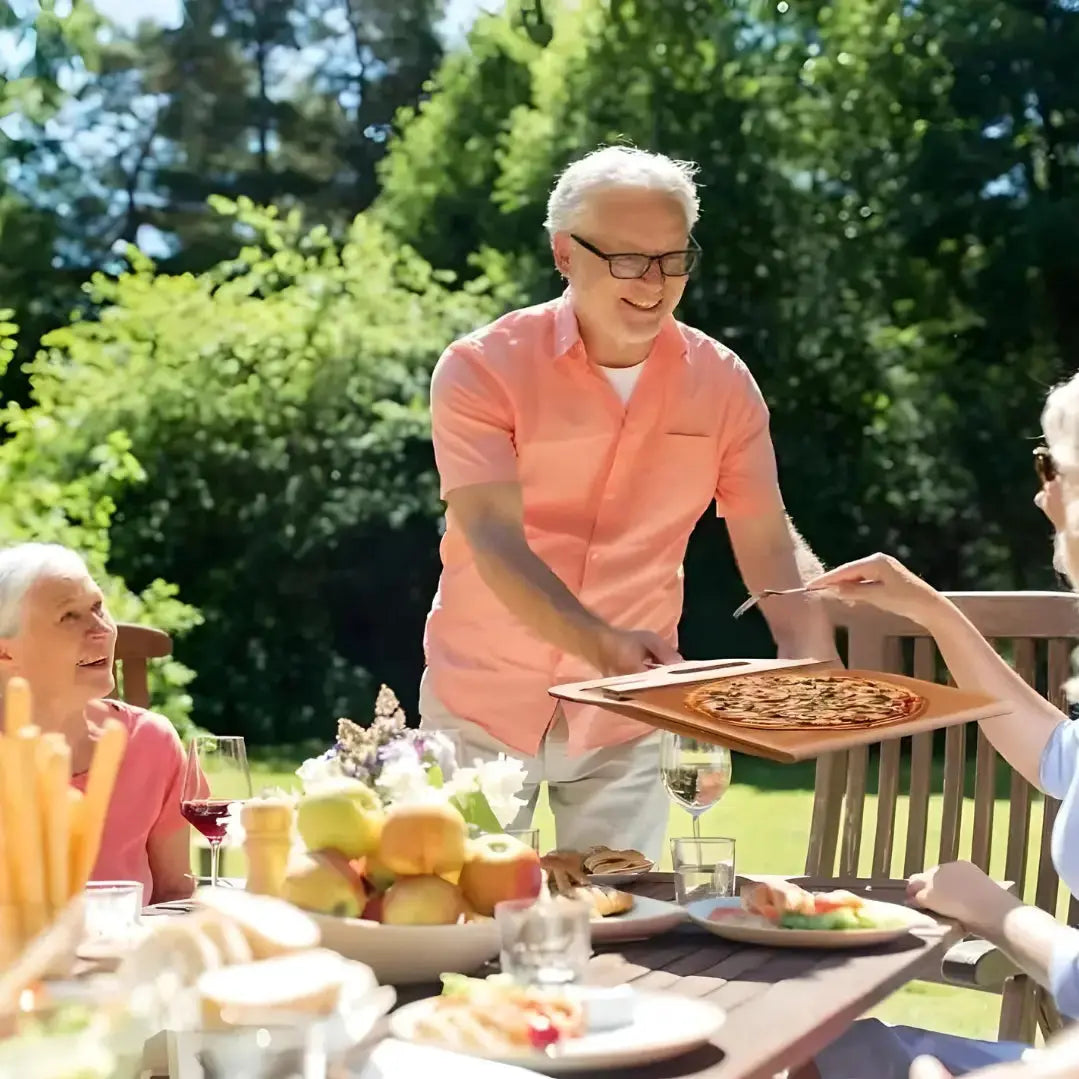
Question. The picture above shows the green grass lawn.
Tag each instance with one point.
(767, 810)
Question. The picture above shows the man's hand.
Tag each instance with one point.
(625, 651)
(956, 890)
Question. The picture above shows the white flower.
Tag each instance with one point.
(500, 782)
(404, 779)
(317, 771)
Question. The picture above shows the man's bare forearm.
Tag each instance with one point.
(799, 624)
(533, 592)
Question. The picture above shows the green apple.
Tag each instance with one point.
(345, 817)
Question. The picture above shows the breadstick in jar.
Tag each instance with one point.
(108, 753)
(53, 783)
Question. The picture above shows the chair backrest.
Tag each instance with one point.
(135, 646)
(1036, 632)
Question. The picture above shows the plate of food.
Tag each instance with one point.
(596, 865)
(622, 916)
(781, 914)
(556, 1031)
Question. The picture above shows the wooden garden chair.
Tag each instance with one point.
(135, 647)
(1036, 631)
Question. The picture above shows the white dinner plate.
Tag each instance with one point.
(736, 924)
(648, 918)
(664, 1026)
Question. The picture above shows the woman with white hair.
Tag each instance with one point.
(1038, 741)
(56, 632)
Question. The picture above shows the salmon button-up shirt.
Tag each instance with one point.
(611, 495)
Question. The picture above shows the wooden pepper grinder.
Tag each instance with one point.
(267, 826)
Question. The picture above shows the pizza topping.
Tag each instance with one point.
(792, 701)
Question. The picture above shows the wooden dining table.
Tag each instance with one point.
(783, 1005)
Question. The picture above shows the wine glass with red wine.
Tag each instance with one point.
(216, 775)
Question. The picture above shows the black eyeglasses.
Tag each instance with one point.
(1044, 465)
(628, 265)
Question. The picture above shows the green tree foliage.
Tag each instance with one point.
(277, 408)
(116, 136)
(888, 201)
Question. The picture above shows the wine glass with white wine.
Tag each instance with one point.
(695, 773)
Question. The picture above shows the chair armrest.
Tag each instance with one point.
(976, 964)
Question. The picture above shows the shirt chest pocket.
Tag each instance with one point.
(684, 470)
(570, 469)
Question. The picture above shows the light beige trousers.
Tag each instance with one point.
(612, 796)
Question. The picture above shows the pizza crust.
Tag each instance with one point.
(784, 702)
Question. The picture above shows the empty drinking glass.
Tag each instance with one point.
(703, 868)
(112, 909)
(546, 941)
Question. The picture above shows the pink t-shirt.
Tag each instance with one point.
(146, 799)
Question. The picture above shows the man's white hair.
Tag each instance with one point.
(20, 567)
(620, 167)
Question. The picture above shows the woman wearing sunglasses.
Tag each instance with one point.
(1036, 739)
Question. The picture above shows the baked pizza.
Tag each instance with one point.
(797, 701)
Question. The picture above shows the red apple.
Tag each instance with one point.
(373, 911)
(499, 867)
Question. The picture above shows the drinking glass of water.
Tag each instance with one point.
(695, 773)
(545, 941)
(703, 868)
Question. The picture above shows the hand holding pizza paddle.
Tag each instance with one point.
(895, 589)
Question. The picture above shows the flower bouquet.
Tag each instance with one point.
(409, 766)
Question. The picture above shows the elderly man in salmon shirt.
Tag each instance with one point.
(577, 444)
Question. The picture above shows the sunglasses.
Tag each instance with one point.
(1044, 465)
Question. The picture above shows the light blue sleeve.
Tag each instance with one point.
(1064, 972)
(1060, 760)
(1059, 778)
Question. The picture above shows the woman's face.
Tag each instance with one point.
(65, 645)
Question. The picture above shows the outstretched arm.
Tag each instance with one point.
(771, 554)
(1021, 735)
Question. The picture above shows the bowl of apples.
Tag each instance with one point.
(404, 888)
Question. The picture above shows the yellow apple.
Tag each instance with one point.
(317, 884)
(423, 839)
(346, 817)
(423, 900)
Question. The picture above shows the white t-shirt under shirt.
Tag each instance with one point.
(623, 379)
